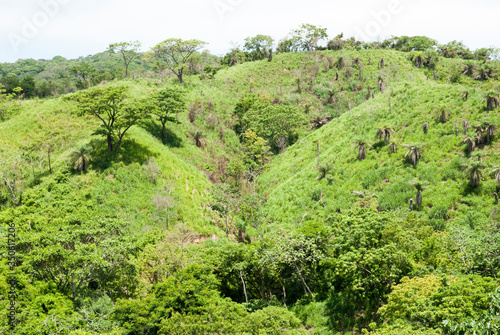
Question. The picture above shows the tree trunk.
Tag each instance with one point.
(110, 143)
(13, 194)
(227, 222)
(306, 288)
(418, 200)
(284, 292)
(244, 287)
(48, 154)
(163, 130)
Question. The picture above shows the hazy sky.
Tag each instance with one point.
(72, 28)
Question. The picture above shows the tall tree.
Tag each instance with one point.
(85, 72)
(176, 52)
(128, 50)
(109, 105)
(170, 102)
(260, 46)
(309, 35)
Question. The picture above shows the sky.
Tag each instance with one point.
(42, 29)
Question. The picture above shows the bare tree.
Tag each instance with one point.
(165, 201)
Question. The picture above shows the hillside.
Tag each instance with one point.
(270, 206)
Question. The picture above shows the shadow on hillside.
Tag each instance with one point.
(171, 139)
(130, 152)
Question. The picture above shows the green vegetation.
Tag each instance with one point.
(316, 190)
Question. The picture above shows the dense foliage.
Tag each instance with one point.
(330, 187)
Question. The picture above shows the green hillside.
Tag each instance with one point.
(347, 190)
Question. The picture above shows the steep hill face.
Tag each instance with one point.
(383, 179)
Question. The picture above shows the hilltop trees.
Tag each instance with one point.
(259, 46)
(175, 53)
(109, 105)
(304, 38)
(128, 50)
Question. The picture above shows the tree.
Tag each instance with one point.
(12, 174)
(260, 46)
(418, 57)
(419, 186)
(323, 171)
(492, 100)
(304, 38)
(308, 36)
(81, 158)
(413, 153)
(484, 72)
(128, 50)
(28, 86)
(469, 68)
(425, 127)
(170, 102)
(474, 172)
(278, 124)
(496, 173)
(471, 144)
(198, 136)
(361, 146)
(384, 133)
(176, 52)
(85, 72)
(224, 196)
(165, 201)
(109, 105)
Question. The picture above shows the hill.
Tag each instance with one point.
(277, 201)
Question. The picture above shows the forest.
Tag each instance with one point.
(311, 185)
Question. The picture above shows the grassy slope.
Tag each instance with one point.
(42, 121)
(291, 181)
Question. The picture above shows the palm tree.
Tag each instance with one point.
(323, 170)
(340, 63)
(468, 69)
(425, 127)
(81, 158)
(361, 146)
(356, 62)
(393, 148)
(492, 100)
(442, 115)
(419, 58)
(380, 81)
(466, 125)
(198, 138)
(413, 153)
(384, 133)
(471, 144)
(331, 97)
(465, 95)
(496, 172)
(483, 72)
(419, 186)
(474, 172)
(489, 129)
